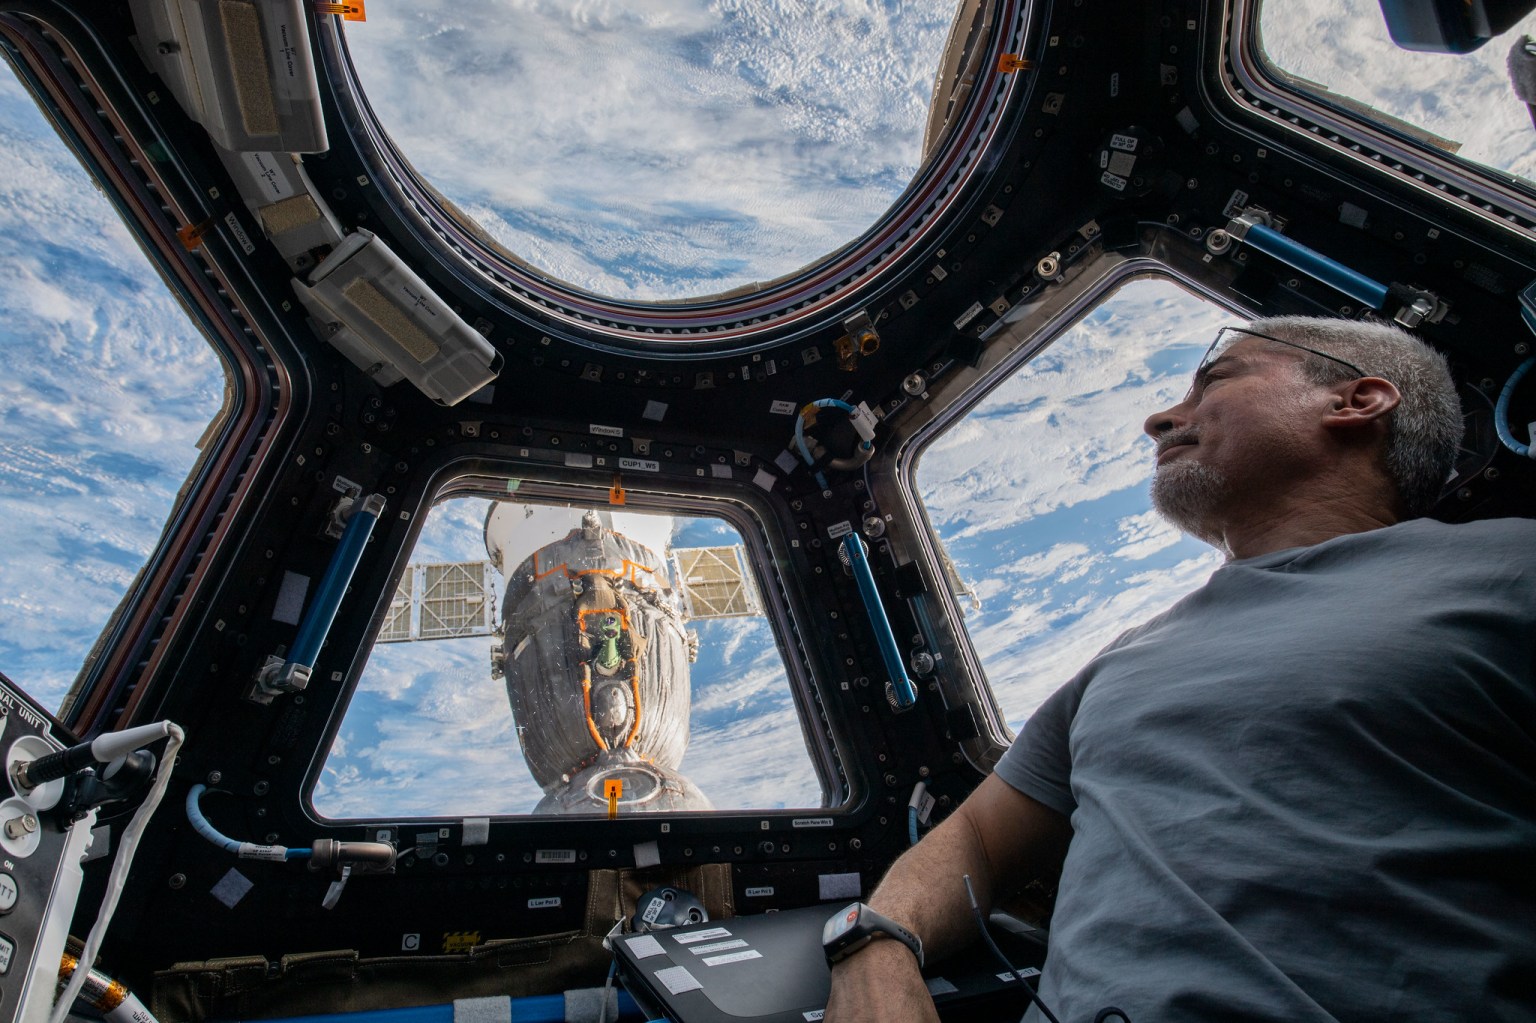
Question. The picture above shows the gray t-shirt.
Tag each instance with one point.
(1307, 791)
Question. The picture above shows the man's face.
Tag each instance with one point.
(1243, 430)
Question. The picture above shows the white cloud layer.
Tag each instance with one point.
(663, 150)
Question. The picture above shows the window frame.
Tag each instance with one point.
(827, 744)
(1239, 77)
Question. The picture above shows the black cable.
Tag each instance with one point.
(1103, 1014)
(987, 937)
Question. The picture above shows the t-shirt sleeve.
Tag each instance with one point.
(1039, 763)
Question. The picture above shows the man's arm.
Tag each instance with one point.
(1001, 838)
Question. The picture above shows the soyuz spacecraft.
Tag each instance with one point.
(594, 647)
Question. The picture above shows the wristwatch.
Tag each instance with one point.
(850, 929)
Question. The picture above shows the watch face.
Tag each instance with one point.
(840, 924)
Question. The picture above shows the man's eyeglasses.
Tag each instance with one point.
(1228, 336)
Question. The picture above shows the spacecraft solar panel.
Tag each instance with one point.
(442, 601)
(715, 582)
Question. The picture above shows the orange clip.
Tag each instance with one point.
(613, 788)
(353, 10)
(1010, 62)
(191, 236)
(616, 492)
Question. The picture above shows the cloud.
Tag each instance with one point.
(678, 149)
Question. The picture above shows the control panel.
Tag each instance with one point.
(41, 849)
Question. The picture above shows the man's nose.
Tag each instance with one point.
(1159, 423)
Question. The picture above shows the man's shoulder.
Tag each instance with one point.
(1479, 532)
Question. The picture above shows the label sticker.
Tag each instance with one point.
(653, 910)
(274, 184)
(814, 1015)
(606, 431)
(765, 479)
(720, 472)
(677, 979)
(782, 408)
(719, 946)
(967, 316)
(939, 986)
(640, 464)
(1028, 971)
(1125, 143)
(708, 934)
(1117, 183)
(835, 531)
(555, 856)
(655, 410)
(734, 957)
(233, 223)
(787, 461)
(574, 460)
(553, 902)
(645, 946)
(760, 893)
(813, 822)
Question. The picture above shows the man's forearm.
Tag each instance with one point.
(924, 890)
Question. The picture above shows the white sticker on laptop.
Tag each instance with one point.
(645, 946)
(718, 946)
(677, 979)
(734, 957)
(708, 934)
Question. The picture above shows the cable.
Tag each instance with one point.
(986, 936)
(127, 846)
(862, 423)
(912, 810)
(1501, 411)
(981, 923)
(244, 850)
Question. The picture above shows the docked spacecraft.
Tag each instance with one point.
(593, 647)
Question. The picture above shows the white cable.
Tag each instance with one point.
(127, 846)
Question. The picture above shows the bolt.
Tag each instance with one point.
(874, 526)
(260, 788)
(214, 777)
(178, 881)
(914, 384)
(855, 844)
(271, 838)
(1521, 348)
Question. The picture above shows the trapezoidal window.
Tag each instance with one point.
(538, 658)
(1040, 494)
(106, 394)
(1340, 53)
(655, 153)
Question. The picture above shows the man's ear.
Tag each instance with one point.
(1362, 402)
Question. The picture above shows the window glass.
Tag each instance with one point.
(105, 389)
(630, 646)
(1040, 493)
(658, 151)
(1461, 103)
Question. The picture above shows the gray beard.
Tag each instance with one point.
(1186, 494)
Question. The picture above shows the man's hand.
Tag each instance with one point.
(879, 983)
